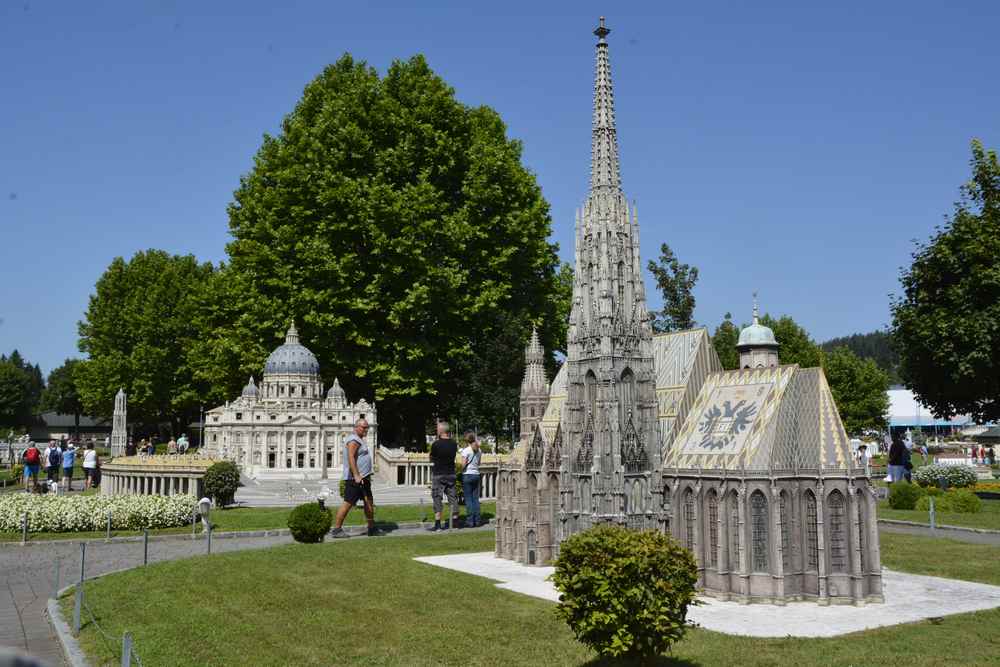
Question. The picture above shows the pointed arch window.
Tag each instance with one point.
(758, 524)
(734, 532)
(838, 532)
(713, 528)
(590, 390)
(861, 535)
(786, 554)
(689, 520)
(812, 532)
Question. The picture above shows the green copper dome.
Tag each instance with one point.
(756, 335)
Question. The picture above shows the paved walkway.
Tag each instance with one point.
(908, 598)
(273, 493)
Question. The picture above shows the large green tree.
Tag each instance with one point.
(676, 282)
(15, 396)
(796, 346)
(946, 324)
(724, 341)
(138, 330)
(876, 346)
(392, 222)
(61, 393)
(860, 389)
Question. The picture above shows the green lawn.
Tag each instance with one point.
(989, 518)
(266, 518)
(369, 602)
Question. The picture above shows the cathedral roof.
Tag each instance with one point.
(292, 357)
(336, 391)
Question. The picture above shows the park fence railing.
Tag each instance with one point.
(122, 646)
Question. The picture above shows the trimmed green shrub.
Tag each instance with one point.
(964, 501)
(625, 593)
(904, 496)
(957, 501)
(221, 481)
(308, 523)
(953, 477)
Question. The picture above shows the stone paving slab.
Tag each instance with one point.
(909, 598)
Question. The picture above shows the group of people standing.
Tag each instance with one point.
(59, 460)
(358, 468)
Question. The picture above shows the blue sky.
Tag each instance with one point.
(793, 148)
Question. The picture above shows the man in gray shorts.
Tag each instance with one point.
(357, 480)
(443, 475)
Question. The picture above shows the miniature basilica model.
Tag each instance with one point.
(286, 428)
(750, 468)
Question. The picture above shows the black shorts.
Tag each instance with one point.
(353, 492)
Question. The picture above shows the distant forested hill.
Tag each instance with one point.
(875, 345)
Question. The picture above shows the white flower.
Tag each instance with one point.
(60, 514)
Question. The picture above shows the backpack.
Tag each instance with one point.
(31, 456)
(55, 457)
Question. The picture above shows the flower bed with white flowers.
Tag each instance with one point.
(68, 514)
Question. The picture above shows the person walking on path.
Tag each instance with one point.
(182, 444)
(172, 446)
(68, 460)
(357, 478)
(90, 463)
(53, 462)
(897, 459)
(130, 449)
(32, 464)
(443, 453)
(471, 456)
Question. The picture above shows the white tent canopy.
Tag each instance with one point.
(906, 410)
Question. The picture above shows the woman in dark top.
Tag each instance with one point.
(898, 458)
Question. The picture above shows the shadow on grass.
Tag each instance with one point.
(661, 661)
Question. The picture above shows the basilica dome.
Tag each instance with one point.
(292, 357)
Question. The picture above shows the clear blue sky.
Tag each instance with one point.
(787, 147)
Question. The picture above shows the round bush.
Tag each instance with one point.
(308, 523)
(625, 593)
(904, 496)
(953, 477)
(221, 481)
(964, 501)
(942, 503)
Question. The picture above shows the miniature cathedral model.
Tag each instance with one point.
(750, 469)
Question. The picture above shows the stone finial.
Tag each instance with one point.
(756, 310)
(292, 337)
(602, 31)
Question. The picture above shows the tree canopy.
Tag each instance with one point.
(676, 283)
(876, 345)
(946, 324)
(61, 394)
(21, 387)
(138, 331)
(393, 224)
(724, 341)
(860, 389)
(796, 346)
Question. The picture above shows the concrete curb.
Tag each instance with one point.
(939, 527)
(71, 648)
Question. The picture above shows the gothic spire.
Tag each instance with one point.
(604, 172)
(534, 367)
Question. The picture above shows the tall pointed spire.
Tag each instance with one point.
(534, 353)
(604, 172)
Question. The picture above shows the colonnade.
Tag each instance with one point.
(136, 480)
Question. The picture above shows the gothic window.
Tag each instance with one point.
(734, 532)
(532, 412)
(621, 284)
(626, 395)
(713, 529)
(758, 521)
(838, 532)
(812, 535)
(633, 450)
(590, 385)
(689, 520)
(786, 554)
(585, 457)
(535, 451)
(861, 534)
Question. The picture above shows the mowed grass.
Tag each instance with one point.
(368, 602)
(265, 518)
(989, 518)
